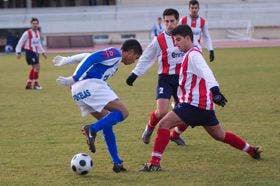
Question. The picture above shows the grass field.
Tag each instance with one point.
(40, 130)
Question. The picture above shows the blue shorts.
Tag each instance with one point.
(167, 87)
(195, 116)
(31, 57)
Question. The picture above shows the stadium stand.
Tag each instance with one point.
(228, 20)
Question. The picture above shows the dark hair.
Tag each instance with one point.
(132, 44)
(193, 2)
(183, 30)
(171, 11)
(34, 19)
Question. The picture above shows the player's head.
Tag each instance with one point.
(159, 19)
(34, 23)
(170, 19)
(193, 8)
(131, 50)
(183, 37)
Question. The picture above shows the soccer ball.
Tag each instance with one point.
(81, 164)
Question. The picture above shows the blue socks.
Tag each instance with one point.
(106, 124)
(107, 121)
(110, 140)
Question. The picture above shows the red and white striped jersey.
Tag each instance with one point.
(195, 81)
(30, 40)
(199, 27)
(168, 56)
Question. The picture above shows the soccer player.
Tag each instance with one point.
(198, 91)
(169, 61)
(31, 42)
(94, 96)
(199, 27)
(157, 28)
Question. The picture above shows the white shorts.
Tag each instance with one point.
(92, 95)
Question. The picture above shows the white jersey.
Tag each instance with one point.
(199, 28)
(168, 56)
(195, 81)
(30, 40)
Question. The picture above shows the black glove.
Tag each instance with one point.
(218, 97)
(212, 56)
(131, 79)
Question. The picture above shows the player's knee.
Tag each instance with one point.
(125, 114)
(160, 114)
(164, 124)
(218, 137)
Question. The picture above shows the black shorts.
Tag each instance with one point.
(167, 87)
(195, 116)
(31, 57)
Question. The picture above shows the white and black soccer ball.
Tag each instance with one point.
(81, 164)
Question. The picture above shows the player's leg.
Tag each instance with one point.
(218, 133)
(29, 61)
(118, 113)
(36, 76)
(110, 140)
(36, 67)
(175, 135)
(30, 79)
(161, 110)
(161, 141)
(164, 92)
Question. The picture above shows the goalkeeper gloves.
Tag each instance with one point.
(218, 97)
(212, 56)
(59, 61)
(65, 81)
(131, 79)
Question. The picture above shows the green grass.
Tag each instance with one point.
(40, 130)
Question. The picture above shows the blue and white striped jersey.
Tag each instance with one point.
(101, 64)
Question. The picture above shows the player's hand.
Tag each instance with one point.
(59, 61)
(212, 55)
(65, 81)
(18, 55)
(131, 79)
(218, 97)
(45, 55)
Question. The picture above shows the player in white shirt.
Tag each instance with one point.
(198, 91)
(31, 42)
(94, 96)
(199, 27)
(169, 62)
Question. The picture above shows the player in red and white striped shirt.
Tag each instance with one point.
(31, 42)
(169, 60)
(199, 27)
(198, 91)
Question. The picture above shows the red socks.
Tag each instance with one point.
(178, 130)
(238, 143)
(153, 120)
(161, 141)
(36, 77)
(30, 78)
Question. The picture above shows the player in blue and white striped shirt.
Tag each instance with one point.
(94, 96)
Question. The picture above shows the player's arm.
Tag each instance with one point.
(81, 69)
(202, 70)
(208, 41)
(145, 62)
(61, 60)
(20, 44)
